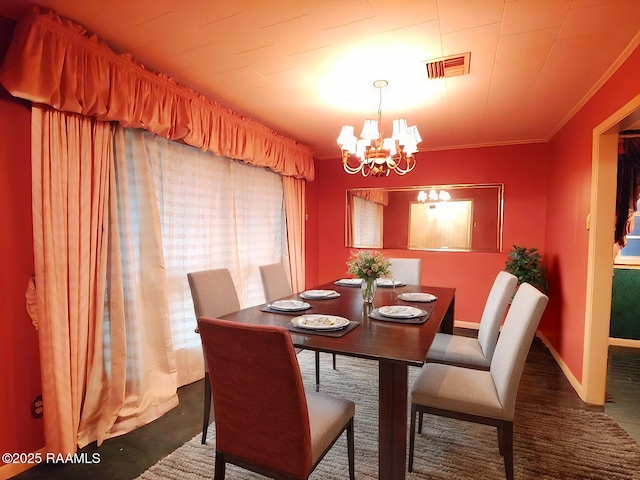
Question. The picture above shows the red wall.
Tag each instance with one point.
(567, 239)
(522, 169)
(19, 359)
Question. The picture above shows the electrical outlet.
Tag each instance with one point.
(36, 407)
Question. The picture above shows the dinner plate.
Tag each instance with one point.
(401, 311)
(417, 297)
(320, 322)
(289, 305)
(387, 282)
(349, 282)
(319, 294)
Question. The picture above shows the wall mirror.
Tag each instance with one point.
(461, 218)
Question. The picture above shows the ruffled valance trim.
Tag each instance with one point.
(56, 62)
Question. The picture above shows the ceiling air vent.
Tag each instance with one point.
(450, 66)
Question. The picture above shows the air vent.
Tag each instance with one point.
(450, 66)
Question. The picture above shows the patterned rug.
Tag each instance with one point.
(550, 443)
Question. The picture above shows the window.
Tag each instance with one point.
(214, 212)
(367, 223)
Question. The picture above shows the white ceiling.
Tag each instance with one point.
(306, 67)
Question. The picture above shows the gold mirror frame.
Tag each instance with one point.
(470, 221)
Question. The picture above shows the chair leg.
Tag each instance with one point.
(351, 451)
(317, 371)
(220, 470)
(420, 422)
(334, 361)
(412, 435)
(508, 449)
(207, 407)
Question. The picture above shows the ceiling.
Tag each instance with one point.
(306, 67)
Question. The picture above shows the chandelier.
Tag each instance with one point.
(374, 155)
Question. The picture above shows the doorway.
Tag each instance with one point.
(600, 255)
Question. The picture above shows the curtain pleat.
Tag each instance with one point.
(53, 61)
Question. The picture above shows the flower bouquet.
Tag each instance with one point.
(369, 266)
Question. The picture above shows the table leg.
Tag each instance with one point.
(392, 419)
(446, 326)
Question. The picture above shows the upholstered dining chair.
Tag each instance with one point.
(214, 295)
(485, 397)
(406, 270)
(275, 282)
(276, 285)
(256, 380)
(471, 351)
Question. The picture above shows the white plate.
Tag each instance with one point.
(401, 311)
(320, 322)
(289, 305)
(387, 282)
(349, 282)
(417, 297)
(319, 294)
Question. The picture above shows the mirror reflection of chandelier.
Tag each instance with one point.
(377, 156)
(433, 196)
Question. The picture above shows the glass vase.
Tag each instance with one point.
(368, 287)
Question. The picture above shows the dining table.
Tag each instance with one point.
(395, 344)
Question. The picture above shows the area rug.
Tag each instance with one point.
(550, 442)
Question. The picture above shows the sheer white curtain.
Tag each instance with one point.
(367, 223)
(214, 213)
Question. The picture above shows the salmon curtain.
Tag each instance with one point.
(70, 193)
(95, 382)
(53, 61)
(294, 205)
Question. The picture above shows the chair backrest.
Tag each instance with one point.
(213, 293)
(258, 395)
(514, 342)
(497, 302)
(406, 270)
(274, 282)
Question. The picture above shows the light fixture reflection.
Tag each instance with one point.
(433, 196)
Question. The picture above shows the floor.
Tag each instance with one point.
(127, 456)
(543, 383)
(623, 389)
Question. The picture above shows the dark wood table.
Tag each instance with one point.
(393, 345)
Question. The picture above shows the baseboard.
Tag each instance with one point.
(577, 386)
(469, 325)
(624, 342)
(12, 469)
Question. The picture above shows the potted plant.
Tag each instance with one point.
(525, 264)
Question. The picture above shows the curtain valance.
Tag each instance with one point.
(371, 194)
(54, 61)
